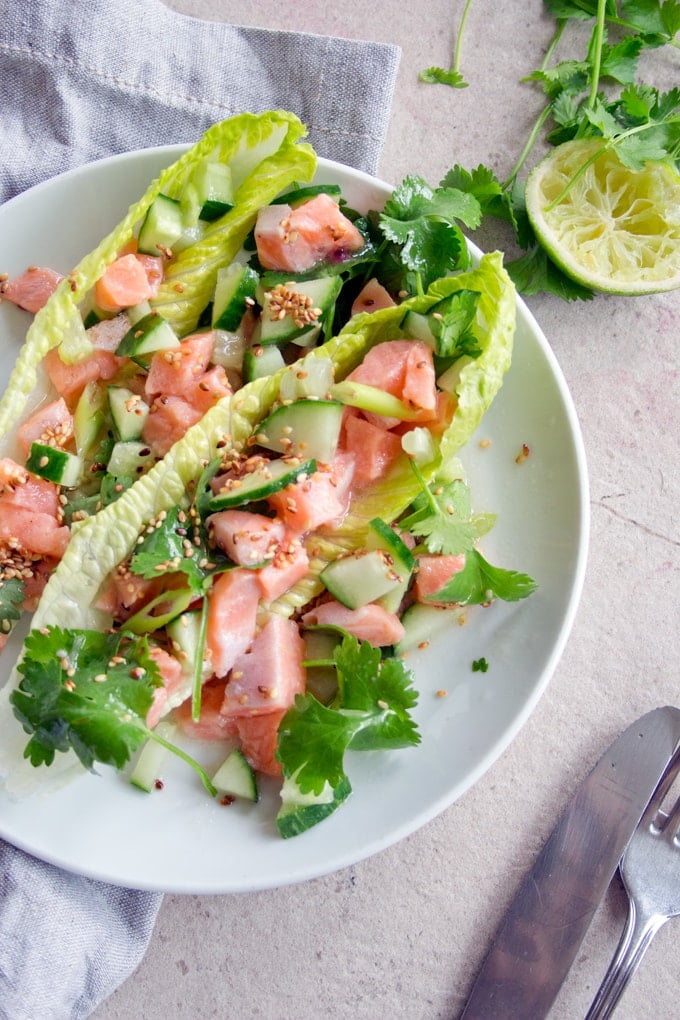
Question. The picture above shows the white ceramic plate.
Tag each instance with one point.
(179, 839)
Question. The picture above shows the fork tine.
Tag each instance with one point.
(671, 824)
(653, 809)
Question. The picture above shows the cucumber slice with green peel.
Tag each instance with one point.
(449, 381)
(235, 284)
(361, 577)
(290, 309)
(311, 376)
(55, 465)
(382, 536)
(129, 459)
(306, 428)
(299, 195)
(261, 361)
(370, 398)
(263, 482)
(137, 312)
(161, 227)
(236, 777)
(147, 771)
(214, 190)
(128, 412)
(150, 334)
(422, 623)
(322, 677)
(301, 811)
(88, 417)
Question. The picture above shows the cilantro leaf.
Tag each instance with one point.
(312, 743)
(536, 273)
(439, 76)
(379, 689)
(86, 691)
(444, 520)
(175, 544)
(483, 184)
(422, 222)
(479, 582)
(371, 712)
(11, 600)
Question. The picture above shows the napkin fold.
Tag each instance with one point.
(80, 81)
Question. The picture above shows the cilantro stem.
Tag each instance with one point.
(169, 746)
(598, 40)
(197, 686)
(458, 47)
(542, 117)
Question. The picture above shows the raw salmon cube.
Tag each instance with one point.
(176, 370)
(32, 289)
(168, 420)
(70, 380)
(231, 618)
(124, 283)
(268, 675)
(259, 735)
(51, 424)
(434, 573)
(290, 565)
(294, 240)
(370, 623)
(211, 725)
(374, 449)
(33, 531)
(172, 676)
(247, 538)
(320, 499)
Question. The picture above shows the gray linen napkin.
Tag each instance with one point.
(79, 81)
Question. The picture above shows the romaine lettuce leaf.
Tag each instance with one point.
(267, 156)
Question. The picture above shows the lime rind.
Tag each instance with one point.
(615, 230)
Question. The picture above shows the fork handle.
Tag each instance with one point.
(637, 935)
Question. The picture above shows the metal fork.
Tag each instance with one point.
(650, 871)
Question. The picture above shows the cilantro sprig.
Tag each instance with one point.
(442, 519)
(89, 692)
(596, 96)
(371, 712)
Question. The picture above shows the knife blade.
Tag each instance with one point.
(537, 941)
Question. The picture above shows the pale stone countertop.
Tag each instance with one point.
(402, 933)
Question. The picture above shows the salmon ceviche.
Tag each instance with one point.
(231, 498)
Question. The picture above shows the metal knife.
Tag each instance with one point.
(539, 937)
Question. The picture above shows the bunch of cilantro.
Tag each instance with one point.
(595, 96)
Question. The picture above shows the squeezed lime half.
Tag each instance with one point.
(614, 229)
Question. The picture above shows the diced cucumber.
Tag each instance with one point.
(371, 398)
(301, 811)
(146, 773)
(310, 377)
(420, 445)
(185, 633)
(137, 312)
(88, 417)
(382, 536)
(290, 309)
(361, 577)
(449, 381)
(322, 677)
(214, 190)
(161, 227)
(235, 284)
(422, 622)
(261, 361)
(265, 481)
(55, 465)
(150, 334)
(129, 459)
(306, 428)
(235, 777)
(128, 412)
(416, 326)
